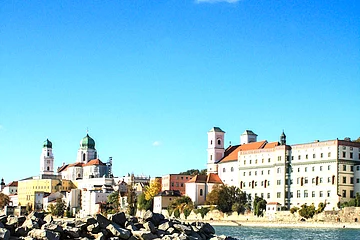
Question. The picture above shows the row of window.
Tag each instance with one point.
(316, 180)
(313, 194)
(313, 156)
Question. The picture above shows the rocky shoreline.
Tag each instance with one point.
(117, 226)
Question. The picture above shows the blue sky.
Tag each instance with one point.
(150, 78)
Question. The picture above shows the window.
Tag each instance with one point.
(255, 161)
(244, 162)
(262, 172)
(344, 154)
(314, 155)
(223, 169)
(351, 180)
(268, 172)
(306, 194)
(328, 193)
(313, 180)
(244, 174)
(351, 193)
(291, 194)
(177, 184)
(250, 162)
(344, 179)
(211, 142)
(357, 168)
(329, 179)
(298, 181)
(321, 180)
(292, 157)
(232, 169)
(219, 142)
(306, 156)
(268, 195)
(262, 160)
(278, 194)
(313, 194)
(210, 157)
(344, 193)
(172, 184)
(313, 168)
(279, 158)
(351, 155)
(255, 173)
(249, 173)
(344, 167)
(321, 168)
(321, 155)
(262, 183)
(201, 192)
(306, 180)
(182, 184)
(351, 168)
(357, 180)
(278, 182)
(278, 170)
(329, 154)
(262, 195)
(268, 159)
(299, 157)
(305, 169)
(329, 167)
(298, 169)
(321, 194)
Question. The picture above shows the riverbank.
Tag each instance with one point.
(281, 224)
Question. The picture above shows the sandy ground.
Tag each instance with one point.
(286, 224)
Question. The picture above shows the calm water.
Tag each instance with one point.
(288, 233)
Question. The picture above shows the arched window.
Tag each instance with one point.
(48, 168)
(278, 170)
(210, 142)
(219, 142)
(84, 157)
(232, 169)
(201, 192)
(333, 179)
(48, 153)
(241, 184)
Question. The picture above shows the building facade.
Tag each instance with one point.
(292, 175)
(175, 182)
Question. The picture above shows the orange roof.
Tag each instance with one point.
(210, 178)
(271, 145)
(12, 184)
(94, 162)
(233, 155)
(273, 203)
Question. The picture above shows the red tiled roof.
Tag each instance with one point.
(12, 184)
(271, 144)
(233, 155)
(210, 178)
(94, 162)
(273, 203)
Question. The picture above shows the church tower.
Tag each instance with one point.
(283, 138)
(215, 148)
(47, 159)
(87, 150)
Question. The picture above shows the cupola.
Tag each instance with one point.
(87, 142)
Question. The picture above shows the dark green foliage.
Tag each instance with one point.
(203, 211)
(321, 207)
(259, 206)
(307, 211)
(180, 205)
(187, 212)
(144, 204)
(355, 202)
(131, 200)
(58, 209)
(294, 209)
(177, 213)
(228, 199)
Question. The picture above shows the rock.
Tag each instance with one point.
(52, 227)
(155, 218)
(48, 218)
(183, 228)
(170, 230)
(149, 226)
(3, 219)
(103, 221)
(207, 229)
(117, 231)
(21, 231)
(164, 226)
(4, 234)
(119, 219)
(71, 232)
(90, 220)
(131, 226)
(31, 224)
(144, 235)
(93, 228)
(1, 225)
(44, 234)
(100, 236)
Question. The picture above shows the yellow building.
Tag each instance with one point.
(31, 191)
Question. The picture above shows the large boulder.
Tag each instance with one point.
(165, 226)
(93, 228)
(44, 234)
(4, 234)
(117, 231)
(183, 228)
(71, 232)
(149, 226)
(144, 235)
(103, 221)
(48, 218)
(119, 219)
(52, 227)
(31, 224)
(207, 229)
(155, 218)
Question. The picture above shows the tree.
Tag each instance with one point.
(180, 205)
(307, 211)
(131, 200)
(113, 201)
(152, 190)
(4, 200)
(203, 211)
(321, 207)
(294, 210)
(58, 209)
(357, 140)
(227, 199)
(194, 172)
(144, 204)
(259, 206)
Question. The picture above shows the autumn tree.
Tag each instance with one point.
(144, 204)
(152, 190)
(57, 209)
(180, 205)
(4, 200)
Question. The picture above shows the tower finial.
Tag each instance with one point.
(87, 130)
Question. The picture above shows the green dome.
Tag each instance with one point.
(47, 144)
(87, 142)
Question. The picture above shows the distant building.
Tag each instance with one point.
(175, 182)
(11, 188)
(163, 199)
(200, 186)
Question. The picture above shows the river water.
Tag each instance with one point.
(268, 233)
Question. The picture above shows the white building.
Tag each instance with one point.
(90, 201)
(47, 159)
(11, 188)
(200, 186)
(163, 200)
(291, 175)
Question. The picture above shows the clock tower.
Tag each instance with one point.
(215, 148)
(47, 159)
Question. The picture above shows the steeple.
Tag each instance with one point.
(283, 138)
(215, 150)
(2, 184)
(47, 158)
